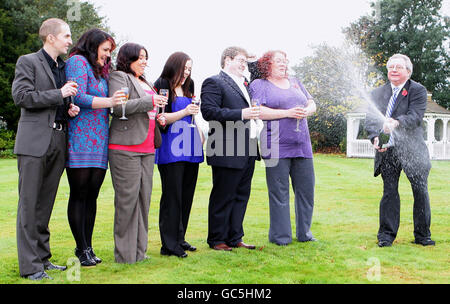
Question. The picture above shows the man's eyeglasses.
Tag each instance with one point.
(241, 61)
(396, 67)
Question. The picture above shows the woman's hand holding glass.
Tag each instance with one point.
(117, 98)
(192, 109)
(251, 112)
(299, 112)
(164, 92)
(70, 89)
(160, 101)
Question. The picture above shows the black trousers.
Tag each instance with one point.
(228, 203)
(178, 182)
(391, 168)
(38, 184)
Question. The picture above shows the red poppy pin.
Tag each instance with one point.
(404, 92)
(246, 83)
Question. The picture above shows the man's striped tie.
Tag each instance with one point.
(391, 103)
(389, 110)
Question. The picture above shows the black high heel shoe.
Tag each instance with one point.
(85, 258)
(94, 257)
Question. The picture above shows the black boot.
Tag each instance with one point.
(85, 258)
(94, 257)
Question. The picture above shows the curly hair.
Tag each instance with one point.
(265, 63)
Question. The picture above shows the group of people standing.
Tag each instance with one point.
(81, 115)
(66, 110)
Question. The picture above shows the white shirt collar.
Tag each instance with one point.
(240, 83)
(238, 79)
(400, 86)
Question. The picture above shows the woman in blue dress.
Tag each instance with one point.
(179, 156)
(87, 161)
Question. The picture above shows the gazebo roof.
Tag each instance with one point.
(433, 107)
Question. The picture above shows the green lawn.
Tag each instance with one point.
(345, 222)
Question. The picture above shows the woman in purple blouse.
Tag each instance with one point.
(87, 161)
(285, 146)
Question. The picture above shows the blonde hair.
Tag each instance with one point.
(51, 26)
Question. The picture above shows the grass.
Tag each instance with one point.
(345, 222)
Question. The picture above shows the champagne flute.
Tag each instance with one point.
(297, 129)
(196, 102)
(255, 103)
(74, 84)
(124, 102)
(164, 92)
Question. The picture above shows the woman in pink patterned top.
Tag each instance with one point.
(132, 153)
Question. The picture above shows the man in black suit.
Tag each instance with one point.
(232, 149)
(401, 105)
(40, 90)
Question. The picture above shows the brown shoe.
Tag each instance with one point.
(243, 245)
(222, 246)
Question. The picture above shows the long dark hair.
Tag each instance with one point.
(173, 72)
(129, 53)
(87, 46)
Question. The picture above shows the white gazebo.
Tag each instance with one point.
(436, 131)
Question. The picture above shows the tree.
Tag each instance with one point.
(339, 80)
(414, 28)
(19, 26)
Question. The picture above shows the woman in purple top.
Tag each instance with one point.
(87, 161)
(285, 147)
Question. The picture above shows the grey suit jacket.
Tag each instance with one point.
(409, 110)
(134, 130)
(34, 91)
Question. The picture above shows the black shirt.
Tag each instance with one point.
(60, 80)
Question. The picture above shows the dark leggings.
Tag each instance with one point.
(85, 185)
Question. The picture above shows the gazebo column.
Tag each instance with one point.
(430, 136)
(445, 134)
(350, 120)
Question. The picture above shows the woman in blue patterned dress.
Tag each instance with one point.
(86, 166)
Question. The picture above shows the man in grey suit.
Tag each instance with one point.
(401, 105)
(40, 90)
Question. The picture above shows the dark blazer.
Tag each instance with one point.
(229, 144)
(409, 110)
(34, 91)
(134, 130)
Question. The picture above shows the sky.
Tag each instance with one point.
(204, 28)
